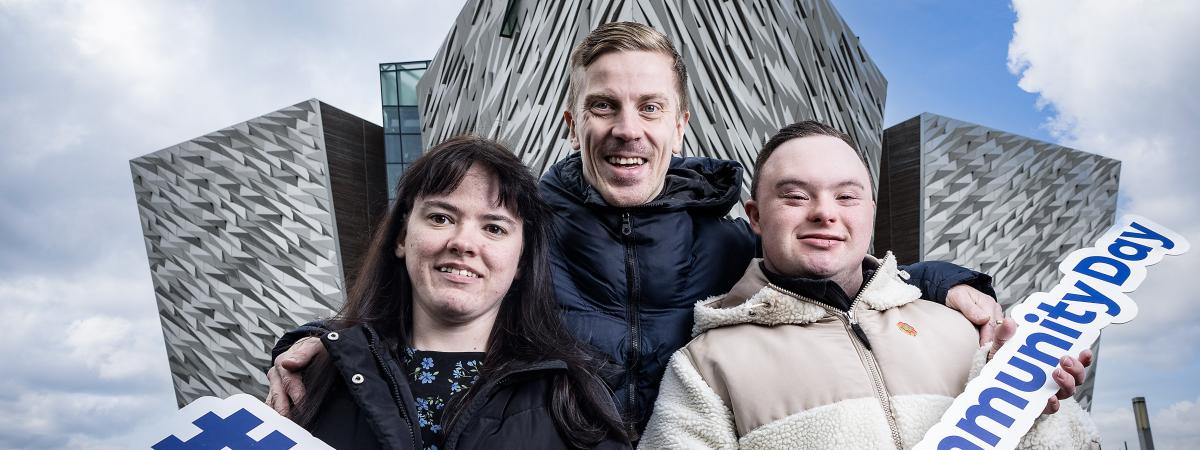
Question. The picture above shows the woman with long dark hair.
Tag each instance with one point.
(450, 336)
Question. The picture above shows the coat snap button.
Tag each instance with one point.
(357, 378)
(333, 336)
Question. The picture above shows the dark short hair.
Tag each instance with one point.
(799, 130)
(625, 36)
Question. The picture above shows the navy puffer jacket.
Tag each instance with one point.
(627, 278)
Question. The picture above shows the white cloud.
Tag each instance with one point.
(1118, 78)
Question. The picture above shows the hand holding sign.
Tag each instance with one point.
(1072, 371)
(1000, 405)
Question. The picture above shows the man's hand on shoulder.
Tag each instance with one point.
(286, 383)
(979, 308)
(1071, 371)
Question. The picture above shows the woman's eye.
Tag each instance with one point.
(495, 229)
(439, 219)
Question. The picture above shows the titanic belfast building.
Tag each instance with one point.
(255, 228)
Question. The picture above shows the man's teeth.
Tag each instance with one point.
(625, 161)
(463, 272)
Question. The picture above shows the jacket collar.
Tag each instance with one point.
(692, 183)
(754, 300)
(360, 349)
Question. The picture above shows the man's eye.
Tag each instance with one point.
(439, 219)
(795, 196)
(602, 105)
(495, 229)
(651, 108)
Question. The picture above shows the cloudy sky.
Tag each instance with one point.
(85, 86)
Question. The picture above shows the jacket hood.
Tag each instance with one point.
(755, 300)
(694, 183)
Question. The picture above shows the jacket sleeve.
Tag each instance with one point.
(314, 328)
(688, 413)
(935, 278)
(1069, 428)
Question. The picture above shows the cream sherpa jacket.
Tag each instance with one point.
(770, 369)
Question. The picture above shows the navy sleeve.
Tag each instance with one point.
(935, 278)
(314, 328)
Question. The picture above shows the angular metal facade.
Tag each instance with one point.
(754, 66)
(242, 238)
(1004, 204)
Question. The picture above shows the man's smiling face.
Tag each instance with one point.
(814, 209)
(627, 123)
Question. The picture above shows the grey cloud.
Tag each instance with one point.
(89, 85)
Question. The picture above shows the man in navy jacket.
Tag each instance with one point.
(643, 234)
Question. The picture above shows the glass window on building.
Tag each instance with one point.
(401, 120)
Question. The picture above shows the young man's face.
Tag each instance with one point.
(814, 209)
(627, 122)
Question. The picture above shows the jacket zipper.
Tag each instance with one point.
(394, 387)
(633, 284)
(863, 346)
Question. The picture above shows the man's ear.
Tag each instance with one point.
(681, 128)
(752, 214)
(570, 123)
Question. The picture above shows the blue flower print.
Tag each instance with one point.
(426, 377)
(427, 363)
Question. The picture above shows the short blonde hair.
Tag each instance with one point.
(625, 36)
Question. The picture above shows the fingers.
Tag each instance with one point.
(1051, 406)
(1003, 333)
(286, 386)
(994, 320)
(1066, 384)
(277, 402)
(1085, 358)
(293, 389)
(300, 355)
(963, 298)
(1071, 373)
(1074, 368)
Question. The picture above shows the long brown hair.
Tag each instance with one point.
(528, 327)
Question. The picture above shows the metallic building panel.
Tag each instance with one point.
(242, 245)
(1010, 206)
(754, 65)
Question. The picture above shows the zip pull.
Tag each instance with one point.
(626, 227)
(858, 331)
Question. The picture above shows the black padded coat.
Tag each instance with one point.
(370, 405)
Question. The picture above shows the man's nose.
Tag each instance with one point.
(822, 210)
(628, 126)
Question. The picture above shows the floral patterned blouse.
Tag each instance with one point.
(433, 377)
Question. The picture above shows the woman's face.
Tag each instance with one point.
(461, 251)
